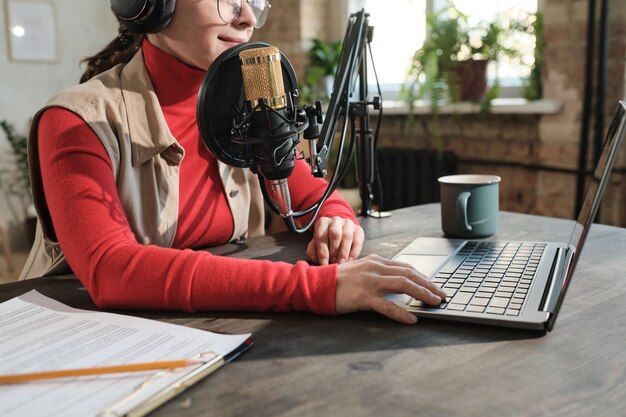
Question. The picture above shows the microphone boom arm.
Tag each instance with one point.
(353, 63)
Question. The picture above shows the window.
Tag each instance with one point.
(400, 29)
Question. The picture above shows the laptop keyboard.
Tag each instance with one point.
(488, 277)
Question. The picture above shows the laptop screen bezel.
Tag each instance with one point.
(614, 138)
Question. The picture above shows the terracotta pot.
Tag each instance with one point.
(471, 79)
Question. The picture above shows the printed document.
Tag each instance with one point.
(40, 334)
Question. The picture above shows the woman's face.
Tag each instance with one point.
(197, 36)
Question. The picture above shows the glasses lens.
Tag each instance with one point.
(260, 9)
(229, 10)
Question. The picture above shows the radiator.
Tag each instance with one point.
(409, 176)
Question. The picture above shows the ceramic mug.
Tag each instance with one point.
(469, 205)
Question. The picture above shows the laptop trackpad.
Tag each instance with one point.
(426, 264)
(427, 255)
(432, 246)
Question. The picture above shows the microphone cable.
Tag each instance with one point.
(379, 185)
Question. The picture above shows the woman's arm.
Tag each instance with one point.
(119, 272)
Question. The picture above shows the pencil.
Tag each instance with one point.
(134, 367)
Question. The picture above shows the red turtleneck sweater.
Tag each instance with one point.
(117, 271)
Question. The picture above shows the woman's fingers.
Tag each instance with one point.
(419, 279)
(320, 239)
(393, 311)
(391, 267)
(311, 252)
(335, 236)
(404, 285)
(363, 284)
(357, 244)
(335, 240)
(347, 242)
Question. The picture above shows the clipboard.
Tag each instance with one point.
(122, 408)
(40, 334)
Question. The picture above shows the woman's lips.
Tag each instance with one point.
(233, 41)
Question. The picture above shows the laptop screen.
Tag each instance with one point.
(591, 203)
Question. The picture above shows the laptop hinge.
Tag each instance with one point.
(555, 282)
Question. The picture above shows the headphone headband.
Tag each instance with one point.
(144, 16)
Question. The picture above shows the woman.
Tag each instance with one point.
(125, 188)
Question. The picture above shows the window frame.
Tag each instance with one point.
(390, 91)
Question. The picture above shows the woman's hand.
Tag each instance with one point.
(335, 240)
(362, 284)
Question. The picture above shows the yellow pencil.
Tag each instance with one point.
(134, 367)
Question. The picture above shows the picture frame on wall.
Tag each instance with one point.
(31, 30)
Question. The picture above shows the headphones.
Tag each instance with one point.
(144, 16)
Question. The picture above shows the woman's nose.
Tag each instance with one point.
(246, 16)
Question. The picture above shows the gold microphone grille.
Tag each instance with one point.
(262, 76)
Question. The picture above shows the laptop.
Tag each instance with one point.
(509, 283)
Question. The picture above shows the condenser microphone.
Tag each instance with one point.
(272, 123)
(248, 117)
(262, 77)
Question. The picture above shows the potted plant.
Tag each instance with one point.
(15, 179)
(451, 65)
(323, 61)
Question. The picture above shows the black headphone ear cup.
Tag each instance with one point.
(156, 17)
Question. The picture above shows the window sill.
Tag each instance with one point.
(498, 106)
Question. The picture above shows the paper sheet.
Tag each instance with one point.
(40, 334)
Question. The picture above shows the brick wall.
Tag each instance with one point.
(536, 155)
(504, 145)
(565, 52)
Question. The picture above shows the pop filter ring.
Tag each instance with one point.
(221, 96)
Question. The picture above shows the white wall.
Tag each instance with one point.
(83, 27)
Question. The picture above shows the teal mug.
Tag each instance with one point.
(469, 205)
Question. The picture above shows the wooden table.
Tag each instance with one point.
(366, 365)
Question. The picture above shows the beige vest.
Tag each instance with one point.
(121, 107)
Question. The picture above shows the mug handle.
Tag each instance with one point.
(461, 211)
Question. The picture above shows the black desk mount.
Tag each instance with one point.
(351, 78)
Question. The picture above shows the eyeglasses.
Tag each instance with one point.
(230, 10)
